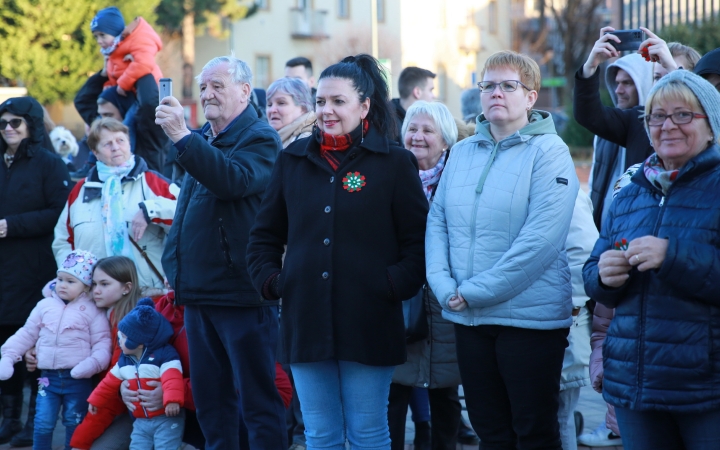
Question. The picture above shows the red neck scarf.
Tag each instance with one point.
(330, 143)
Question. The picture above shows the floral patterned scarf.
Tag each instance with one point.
(431, 177)
(657, 175)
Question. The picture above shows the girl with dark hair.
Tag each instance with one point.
(349, 206)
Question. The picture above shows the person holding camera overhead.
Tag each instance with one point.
(232, 332)
(622, 141)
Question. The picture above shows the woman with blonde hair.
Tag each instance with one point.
(660, 366)
(496, 260)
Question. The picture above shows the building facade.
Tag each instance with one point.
(449, 37)
(656, 14)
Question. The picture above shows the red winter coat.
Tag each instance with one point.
(141, 42)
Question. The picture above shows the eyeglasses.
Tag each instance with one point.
(678, 118)
(14, 123)
(488, 87)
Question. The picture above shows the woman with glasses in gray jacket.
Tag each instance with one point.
(496, 260)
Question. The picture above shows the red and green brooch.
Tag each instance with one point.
(622, 245)
(353, 182)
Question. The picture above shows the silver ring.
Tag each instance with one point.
(637, 258)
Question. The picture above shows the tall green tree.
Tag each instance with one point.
(184, 17)
(703, 37)
(47, 45)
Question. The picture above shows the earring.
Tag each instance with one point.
(362, 130)
(125, 293)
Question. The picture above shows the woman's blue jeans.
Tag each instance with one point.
(344, 400)
(57, 388)
(662, 430)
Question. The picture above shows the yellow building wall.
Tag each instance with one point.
(449, 37)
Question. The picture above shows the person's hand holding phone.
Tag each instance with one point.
(657, 50)
(170, 114)
(601, 51)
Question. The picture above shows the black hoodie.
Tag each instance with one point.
(33, 192)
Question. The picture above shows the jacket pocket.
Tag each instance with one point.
(225, 245)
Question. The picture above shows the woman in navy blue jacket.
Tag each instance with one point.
(658, 263)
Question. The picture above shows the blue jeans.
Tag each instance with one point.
(660, 430)
(566, 418)
(57, 388)
(344, 400)
(159, 433)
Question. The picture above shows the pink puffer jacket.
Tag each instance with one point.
(600, 324)
(74, 336)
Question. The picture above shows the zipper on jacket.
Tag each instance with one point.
(137, 378)
(181, 225)
(225, 245)
(57, 333)
(473, 218)
(643, 307)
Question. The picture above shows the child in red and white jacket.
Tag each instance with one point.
(144, 337)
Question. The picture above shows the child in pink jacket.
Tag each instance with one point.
(72, 341)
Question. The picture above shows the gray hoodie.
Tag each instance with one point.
(639, 70)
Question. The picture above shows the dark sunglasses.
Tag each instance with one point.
(14, 123)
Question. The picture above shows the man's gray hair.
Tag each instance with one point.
(440, 114)
(295, 88)
(237, 68)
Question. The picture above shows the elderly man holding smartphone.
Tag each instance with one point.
(232, 332)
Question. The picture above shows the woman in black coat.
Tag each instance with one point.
(350, 207)
(34, 184)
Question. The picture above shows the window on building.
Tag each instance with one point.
(262, 71)
(343, 9)
(493, 17)
(263, 4)
(380, 10)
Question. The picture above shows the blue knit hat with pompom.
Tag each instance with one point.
(145, 326)
(109, 21)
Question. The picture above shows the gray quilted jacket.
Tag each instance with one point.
(497, 228)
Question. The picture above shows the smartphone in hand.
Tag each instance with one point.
(165, 88)
(630, 40)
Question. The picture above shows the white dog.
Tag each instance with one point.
(64, 142)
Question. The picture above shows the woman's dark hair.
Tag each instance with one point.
(369, 81)
(122, 269)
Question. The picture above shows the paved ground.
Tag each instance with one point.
(590, 405)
